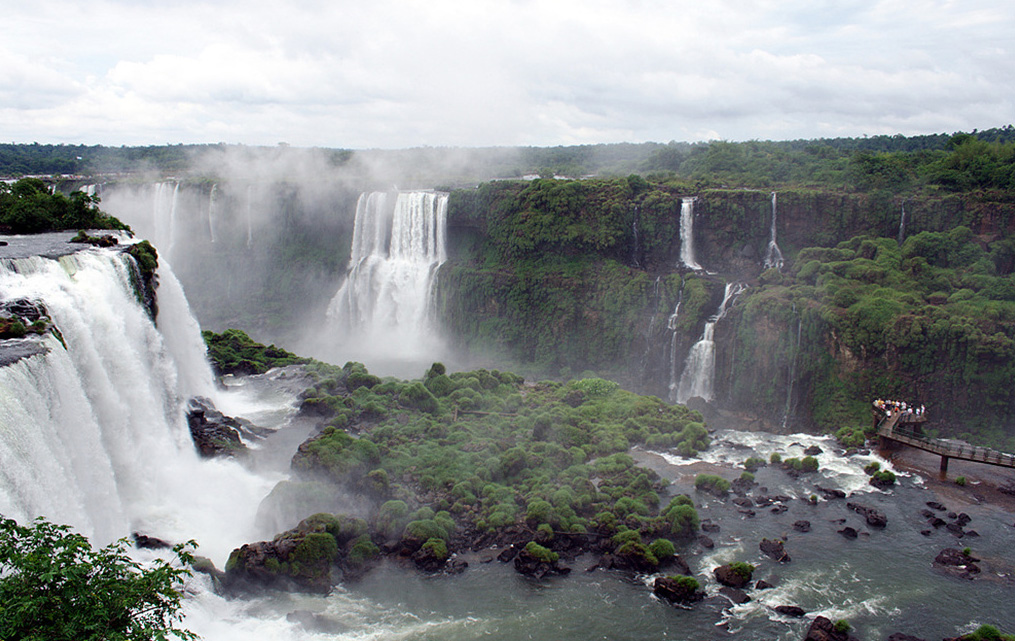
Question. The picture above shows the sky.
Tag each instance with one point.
(390, 74)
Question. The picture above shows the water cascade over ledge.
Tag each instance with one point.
(773, 255)
(382, 310)
(687, 233)
(698, 378)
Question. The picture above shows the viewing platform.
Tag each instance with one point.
(903, 427)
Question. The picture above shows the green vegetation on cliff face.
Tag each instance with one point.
(932, 321)
(233, 352)
(28, 206)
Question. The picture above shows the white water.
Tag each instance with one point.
(163, 225)
(211, 212)
(902, 224)
(382, 309)
(95, 435)
(687, 233)
(773, 255)
(671, 324)
(698, 377)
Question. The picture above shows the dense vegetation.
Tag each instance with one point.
(29, 206)
(55, 586)
(233, 352)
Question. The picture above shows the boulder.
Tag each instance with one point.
(954, 561)
(936, 506)
(213, 433)
(813, 450)
(536, 567)
(148, 542)
(779, 509)
(763, 585)
(775, 549)
(875, 517)
(790, 610)
(830, 494)
(802, 526)
(824, 630)
(708, 526)
(706, 542)
(678, 589)
(732, 577)
(898, 636)
(735, 595)
(848, 532)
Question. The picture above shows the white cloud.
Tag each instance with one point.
(500, 72)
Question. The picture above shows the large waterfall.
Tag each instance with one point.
(698, 377)
(93, 432)
(382, 309)
(687, 233)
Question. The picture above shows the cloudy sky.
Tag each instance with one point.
(391, 74)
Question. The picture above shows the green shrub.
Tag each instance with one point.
(842, 626)
(775, 458)
(872, 467)
(960, 480)
(437, 547)
(540, 553)
(743, 569)
(662, 548)
(753, 464)
(809, 464)
(711, 483)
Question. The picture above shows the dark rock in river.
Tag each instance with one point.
(963, 519)
(848, 532)
(734, 594)
(708, 526)
(148, 542)
(775, 549)
(830, 494)
(706, 542)
(956, 562)
(874, 516)
(214, 433)
(763, 585)
(824, 630)
(678, 589)
(936, 506)
(898, 636)
(530, 565)
(728, 576)
(813, 450)
(802, 526)
(790, 610)
(778, 509)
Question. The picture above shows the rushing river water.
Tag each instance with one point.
(882, 582)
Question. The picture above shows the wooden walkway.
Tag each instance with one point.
(901, 428)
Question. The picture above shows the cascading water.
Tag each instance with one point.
(382, 309)
(687, 233)
(211, 212)
(94, 433)
(791, 375)
(902, 224)
(671, 324)
(698, 377)
(773, 256)
(164, 199)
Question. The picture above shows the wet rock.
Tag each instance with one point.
(954, 561)
(148, 542)
(678, 589)
(790, 610)
(952, 515)
(927, 514)
(732, 577)
(743, 501)
(531, 565)
(763, 585)
(963, 519)
(706, 542)
(775, 549)
(455, 565)
(748, 513)
(763, 501)
(213, 433)
(831, 494)
(848, 532)
(742, 486)
(708, 526)
(734, 594)
(934, 505)
(507, 554)
(972, 533)
(955, 530)
(779, 509)
(824, 630)
(937, 523)
(802, 526)
(898, 636)
(680, 566)
(926, 532)
(813, 450)
(875, 517)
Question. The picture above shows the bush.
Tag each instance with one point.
(540, 553)
(809, 464)
(753, 464)
(54, 585)
(712, 484)
(437, 547)
(842, 626)
(662, 549)
(775, 458)
(960, 480)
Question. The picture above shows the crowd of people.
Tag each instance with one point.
(891, 407)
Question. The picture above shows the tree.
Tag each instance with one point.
(54, 586)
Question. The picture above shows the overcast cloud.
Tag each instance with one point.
(389, 74)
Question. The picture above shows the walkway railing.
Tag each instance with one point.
(889, 428)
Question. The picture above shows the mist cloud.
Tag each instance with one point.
(392, 74)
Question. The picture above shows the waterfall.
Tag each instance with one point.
(698, 377)
(93, 432)
(902, 224)
(687, 233)
(250, 228)
(671, 324)
(383, 306)
(773, 256)
(211, 212)
(164, 215)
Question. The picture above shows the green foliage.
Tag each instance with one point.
(809, 464)
(960, 480)
(882, 478)
(842, 626)
(711, 483)
(29, 206)
(315, 549)
(872, 467)
(437, 547)
(662, 549)
(753, 464)
(688, 584)
(54, 585)
(233, 351)
(987, 633)
(775, 458)
(540, 553)
(743, 569)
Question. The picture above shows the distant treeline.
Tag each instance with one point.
(864, 163)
